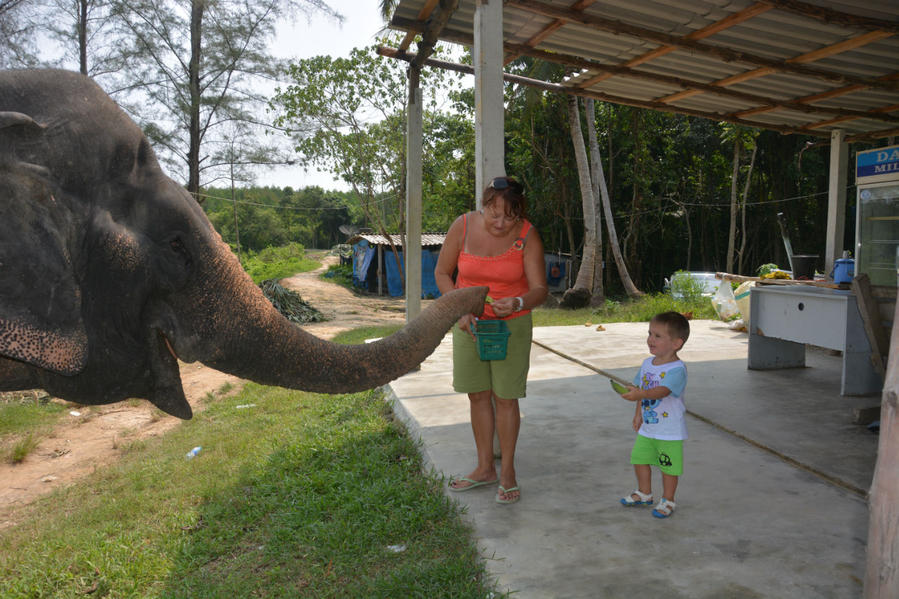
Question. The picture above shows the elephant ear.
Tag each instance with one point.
(40, 302)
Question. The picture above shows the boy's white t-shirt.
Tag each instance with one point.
(663, 418)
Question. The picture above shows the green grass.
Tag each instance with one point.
(300, 495)
(639, 310)
(23, 424)
(340, 274)
(277, 263)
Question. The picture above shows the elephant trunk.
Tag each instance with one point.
(254, 341)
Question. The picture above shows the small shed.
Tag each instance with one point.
(374, 263)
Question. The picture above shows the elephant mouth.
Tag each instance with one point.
(167, 393)
(168, 345)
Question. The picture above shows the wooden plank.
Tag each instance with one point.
(870, 313)
(882, 569)
(741, 278)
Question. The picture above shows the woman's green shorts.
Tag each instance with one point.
(506, 378)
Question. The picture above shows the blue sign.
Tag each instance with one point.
(882, 161)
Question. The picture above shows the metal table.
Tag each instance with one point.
(783, 319)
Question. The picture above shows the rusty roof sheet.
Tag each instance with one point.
(806, 67)
(427, 239)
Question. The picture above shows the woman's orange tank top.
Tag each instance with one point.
(503, 274)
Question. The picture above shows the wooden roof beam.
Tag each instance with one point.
(556, 88)
(435, 24)
(717, 27)
(692, 87)
(541, 35)
(832, 16)
(832, 50)
(423, 15)
(724, 54)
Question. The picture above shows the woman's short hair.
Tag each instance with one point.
(509, 190)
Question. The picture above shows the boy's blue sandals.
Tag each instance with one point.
(664, 509)
(637, 498)
(470, 483)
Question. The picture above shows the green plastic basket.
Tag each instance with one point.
(492, 337)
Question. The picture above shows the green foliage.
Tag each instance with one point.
(24, 421)
(273, 217)
(347, 115)
(766, 268)
(298, 495)
(684, 285)
(341, 274)
(639, 310)
(290, 304)
(277, 263)
(23, 447)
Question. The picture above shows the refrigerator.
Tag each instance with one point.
(877, 215)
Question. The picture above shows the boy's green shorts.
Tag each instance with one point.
(506, 378)
(667, 455)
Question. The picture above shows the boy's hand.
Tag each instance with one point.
(638, 422)
(633, 394)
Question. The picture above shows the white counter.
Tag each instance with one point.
(786, 318)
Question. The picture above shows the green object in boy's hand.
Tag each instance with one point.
(489, 300)
(618, 387)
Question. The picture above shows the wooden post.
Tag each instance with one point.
(836, 197)
(488, 94)
(412, 247)
(882, 567)
(870, 313)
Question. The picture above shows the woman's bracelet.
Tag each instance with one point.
(520, 304)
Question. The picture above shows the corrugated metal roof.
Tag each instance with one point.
(427, 239)
(805, 67)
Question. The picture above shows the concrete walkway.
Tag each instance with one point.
(771, 503)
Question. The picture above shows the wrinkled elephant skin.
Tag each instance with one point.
(110, 272)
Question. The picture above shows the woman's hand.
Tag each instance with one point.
(465, 324)
(505, 306)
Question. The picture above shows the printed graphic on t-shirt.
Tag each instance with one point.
(651, 380)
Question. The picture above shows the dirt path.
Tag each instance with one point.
(95, 436)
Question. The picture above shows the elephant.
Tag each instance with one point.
(110, 272)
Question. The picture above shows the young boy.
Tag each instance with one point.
(659, 419)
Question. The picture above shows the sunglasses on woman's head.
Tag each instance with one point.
(501, 183)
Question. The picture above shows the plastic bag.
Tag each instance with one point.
(724, 303)
(741, 295)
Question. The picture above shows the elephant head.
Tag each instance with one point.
(110, 271)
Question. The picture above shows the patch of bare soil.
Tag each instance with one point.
(81, 444)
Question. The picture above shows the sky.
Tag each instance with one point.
(320, 35)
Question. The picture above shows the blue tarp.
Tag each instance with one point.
(555, 270)
(363, 254)
(428, 284)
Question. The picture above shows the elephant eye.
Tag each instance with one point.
(179, 248)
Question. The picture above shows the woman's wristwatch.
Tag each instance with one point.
(520, 304)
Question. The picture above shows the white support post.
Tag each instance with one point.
(488, 94)
(412, 251)
(836, 198)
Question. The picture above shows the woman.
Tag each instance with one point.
(499, 248)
